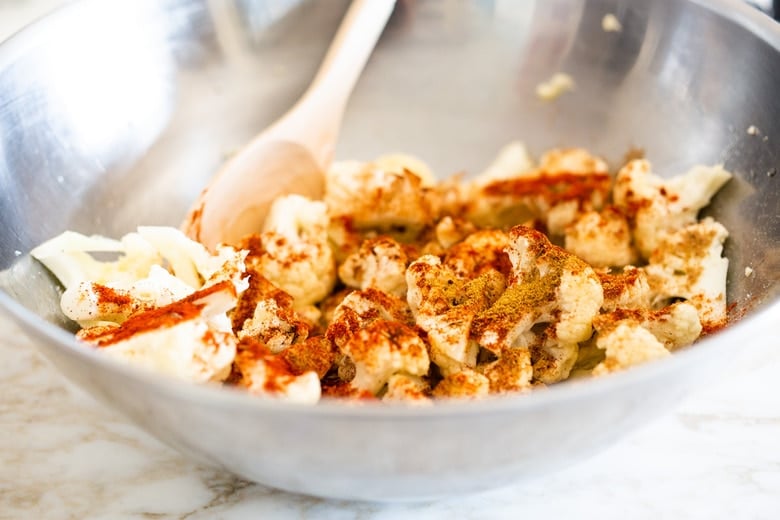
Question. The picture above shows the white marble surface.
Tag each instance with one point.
(64, 457)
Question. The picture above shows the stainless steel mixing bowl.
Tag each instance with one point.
(114, 114)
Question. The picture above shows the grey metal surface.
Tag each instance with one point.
(115, 114)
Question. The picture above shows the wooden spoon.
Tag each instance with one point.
(292, 154)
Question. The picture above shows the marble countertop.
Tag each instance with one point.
(62, 456)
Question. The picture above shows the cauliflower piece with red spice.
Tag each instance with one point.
(263, 373)
(178, 339)
(444, 306)
(551, 358)
(408, 389)
(627, 289)
(361, 308)
(293, 250)
(601, 238)
(674, 326)
(625, 346)
(688, 264)
(379, 263)
(547, 284)
(656, 205)
(367, 197)
(156, 266)
(480, 252)
(512, 371)
(566, 183)
(464, 384)
(382, 349)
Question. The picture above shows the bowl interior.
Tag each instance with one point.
(116, 115)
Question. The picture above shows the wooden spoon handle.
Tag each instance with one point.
(314, 121)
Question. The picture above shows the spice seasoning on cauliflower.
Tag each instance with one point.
(399, 288)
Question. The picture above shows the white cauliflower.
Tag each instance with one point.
(451, 230)
(657, 205)
(275, 326)
(674, 326)
(444, 306)
(267, 314)
(465, 383)
(408, 389)
(547, 284)
(626, 346)
(627, 289)
(566, 183)
(379, 263)
(266, 374)
(478, 253)
(373, 199)
(67, 257)
(178, 339)
(551, 358)
(513, 160)
(688, 264)
(90, 303)
(399, 162)
(294, 253)
(191, 262)
(511, 372)
(361, 308)
(156, 266)
(601, 238)
(384, 348)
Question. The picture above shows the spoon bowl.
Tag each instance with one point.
(291, 155)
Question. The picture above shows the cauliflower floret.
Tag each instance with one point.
(67, 257)
(601, 238)
(674, 326)
(511, 372)
(547, 284)
(625, 346)
(361, 308)
(384, 348)
(267, 314)
(513, 160)
(398, 162)
(380, 263)
(373, 199)
(466, 383)
(565, 184)
(451, 230)
(276, 326)
(412, 390)
(552, 359)
(89, 303)
(627, 289)
(444, 306)
(478, 253)
(656, 205)
(178, 339)
(111, 291)
(263, 373)
(688, 264)
(316, 354)
(192, 262)
(293, 250)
